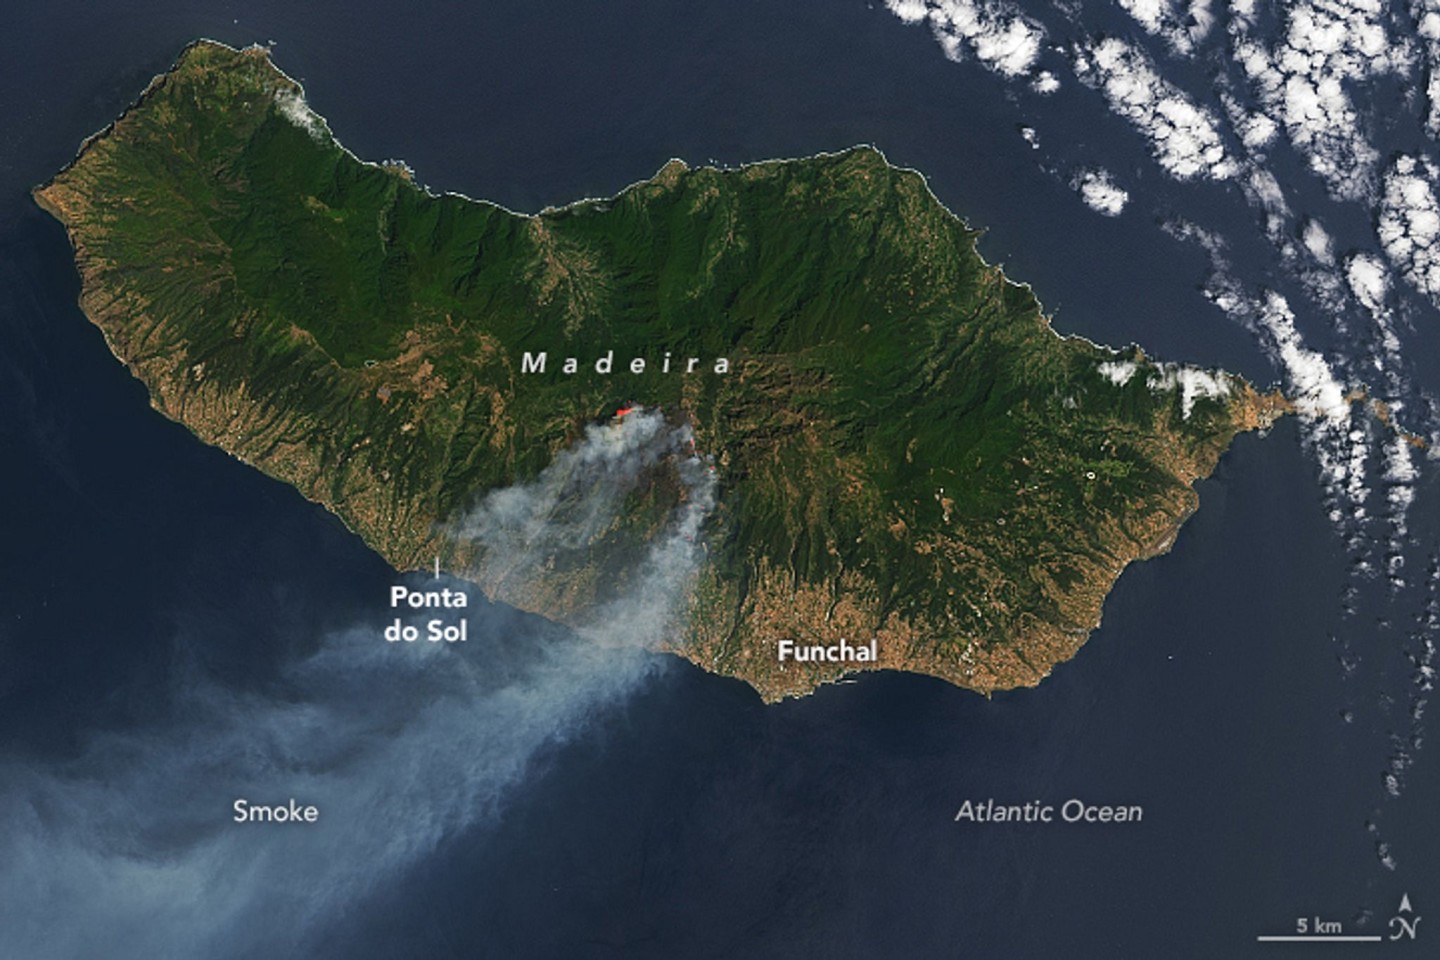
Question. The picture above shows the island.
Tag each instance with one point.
(910, 469)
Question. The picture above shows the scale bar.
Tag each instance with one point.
(1321, 938)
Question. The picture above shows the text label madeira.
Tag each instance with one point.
(605, 364)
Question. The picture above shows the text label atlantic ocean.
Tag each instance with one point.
(1071, 811)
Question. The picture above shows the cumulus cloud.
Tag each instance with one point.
(1100, 192)
(1304, 72)
(997, 34)
(1264, 192)
(1183, 27)
(1302, 79)
(1318, 241)
(1338, 442)
(1368, 279)
(1255, 129)
(1184, 137)
(1265, 189)
(1400, 469)
(1409, 223)
(1118, 372)
(1258, 131)
(1045, 83)
(1427, 27)
(292, 106)
(1192, 382)
(1318, 392)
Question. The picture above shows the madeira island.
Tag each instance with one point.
(908, 468)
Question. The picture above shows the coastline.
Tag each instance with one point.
(1054, 639)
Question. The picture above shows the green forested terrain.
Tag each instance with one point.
(904, 447)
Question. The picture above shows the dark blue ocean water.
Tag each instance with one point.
(683, 818)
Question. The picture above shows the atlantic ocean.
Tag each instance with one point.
(685, 818)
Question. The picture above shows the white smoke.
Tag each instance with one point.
(129, 850)
(580, 497)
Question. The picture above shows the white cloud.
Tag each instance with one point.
(1320, 398)
(1265, 190)
(1118, 372)
(1317, 240)
(1209, 240)
(1409, 223)
(1305, 72)
(1325, 47)
(1100, 192)
(1338, 443)
(1193, 383)
(1181, 29)
(1045, 83)
(1184, 136)
(1399, 461)
(1318, 393)
(1150, 14)
(1427, 26)
(292, 106)
(1401, 474)
(1256, 130)
(1368, 279)
(910, 11)
(997, 34)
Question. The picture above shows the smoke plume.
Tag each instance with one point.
(128, 849)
